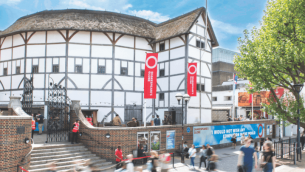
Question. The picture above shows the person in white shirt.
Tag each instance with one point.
(130, 166)
(192, 152)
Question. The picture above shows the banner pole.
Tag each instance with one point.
(252, 106)
(145, 113)
(233, 98)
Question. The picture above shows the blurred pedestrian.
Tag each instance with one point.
(142, 153)
(247, 152)
(212, 163)
(209, 153)
(119, 156)
(157, 121)
(89, 119)
(302, 140)
(202, 156)
(165, 160)
(33, 125)
(116, 120)
(75, 130)
(268, 158)
(256, 149)
(192, 152)
(130, 166)
(242, 139)
(123, 167)
(233, 141)
(52, 167)
(40, 119)
(154, 161)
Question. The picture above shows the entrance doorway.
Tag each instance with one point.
(133, 111)
(92, 113)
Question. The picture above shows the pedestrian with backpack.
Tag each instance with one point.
(209, 153)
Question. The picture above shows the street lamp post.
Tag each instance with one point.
(298, 88)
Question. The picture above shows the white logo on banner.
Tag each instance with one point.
(151, 67)
(194, 68)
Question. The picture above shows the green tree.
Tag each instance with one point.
(274, 56)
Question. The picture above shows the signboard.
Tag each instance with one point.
(220, 134)
(269, 130)
(155, 140)
(150, 76)
(192, 79)
(188, 129)
(170, 139)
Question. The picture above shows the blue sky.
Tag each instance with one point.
(229, 17)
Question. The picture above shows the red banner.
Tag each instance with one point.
(150, 77)
(192, 79)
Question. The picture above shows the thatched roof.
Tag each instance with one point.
(90, 20)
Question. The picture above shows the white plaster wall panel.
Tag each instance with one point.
(166, 99)
(49, 65)
(208, 36)
(166, 44)
(141, 55)
(177, 52)
(175, 81)
(192, 40)
(1, 69)
(35, 61)
(117, 36)
(7, 42)
(126, 82)
(17, 62)
(193, 29)
(28, 65)
(79, 50)
(130, 68)
(81, 81)
(166, 68)
(108, 86)
(18, 52)
(206, 116)
(137, 69)
(101, 62)
(70, 64)
(124, 64)
(108, 66)
(9, 68)
(139, 84)
(163, 83)
(86, 66)
(132, 98)
(37, 95)
(142, 43)
(38, 81)
(205, 70)
(79, 95)
(101, 51)
(124, 53)
(55, 60)
(81, 37)
(193, 116)
(78, 61)
(205, 56)
(205, 101)
(21, 66)
(6, 54)
(175, 42)
(210, 67)
(119, 98)
(208, 48)
(55, 37)
(98, 81)
(100, 38)
(195, 101)
(102, 112)
(13, 67)
(93, 65)
(157, 47)
(62, 65)
(4, 95)
(6, 81)
(148, 111)
(36, 50)
(17, 40)
(117, 67)
(207, 85)
(38, 37)
(126, 41)
(201, 20)
(116, 86)
(161, 65)
(200, 31)
(163, 56)
(16, 79)
(5, 64)
(194, 52)
(41, 65)
(99, 98)
(56, 50)
(177, 67)
(16, 93)
(173, 101)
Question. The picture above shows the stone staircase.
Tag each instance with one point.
(65, 155)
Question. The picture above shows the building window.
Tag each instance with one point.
(162, 46)
(228, 98)
(161, 96)
(101, 69)
(4, 71)
(55, 68)
(200, 86)
(142, 72)
(199, 44)
(124, 71)
(214, 99)
(35, 69)
(202, 44)
(78, 69)
(18, 70)
(162, 73)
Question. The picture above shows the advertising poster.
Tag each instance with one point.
(220, 134)
(170, 139)
(155, 140)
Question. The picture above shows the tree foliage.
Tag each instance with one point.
(274, 55)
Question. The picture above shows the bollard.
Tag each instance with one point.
(295, 152)
(282, 150)
(173, 160)
(182, 157)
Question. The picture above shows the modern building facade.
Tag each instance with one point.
(99, 57)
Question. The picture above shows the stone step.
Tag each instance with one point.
(61, 156)
(39, 154)
(71, 158)
(57, 145)
(58, 149)
(63, 167)
(105, 165)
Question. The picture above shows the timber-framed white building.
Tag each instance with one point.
(99, 57)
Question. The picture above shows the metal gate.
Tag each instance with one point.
(133, 111)
(58, 113)
(27, 96)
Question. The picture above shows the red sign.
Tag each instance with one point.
(279, 91)
(150, 77)
(192, 79)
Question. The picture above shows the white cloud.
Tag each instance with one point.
(9, 2)
(226, 27)
(127, 6)
(83, 4)
(147, 14)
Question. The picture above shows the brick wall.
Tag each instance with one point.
(13, 131)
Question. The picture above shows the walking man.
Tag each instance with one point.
(119, 156)
(40, 122)
(75, 130)
(248, 152)
(157, 121)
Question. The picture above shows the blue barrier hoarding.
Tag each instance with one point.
(220, 134)
(170, 139)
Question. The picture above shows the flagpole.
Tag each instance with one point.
(145, 113)
(252, 106)
(233, 98)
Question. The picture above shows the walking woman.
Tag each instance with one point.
(154, 161)
(203, 156)
(256, 149)
(268, 159)
(233, 141)
(192, 152)
(242, 139)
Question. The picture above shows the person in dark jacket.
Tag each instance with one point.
(157, 121)
(136, 120)
(132, 123)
